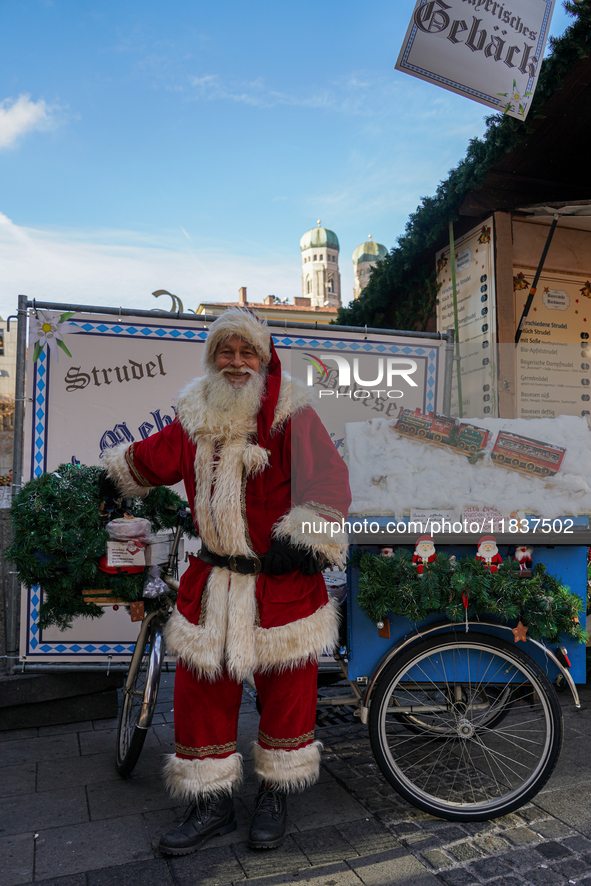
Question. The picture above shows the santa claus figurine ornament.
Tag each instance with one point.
(424, 553)
(488, 553)
(523, 556)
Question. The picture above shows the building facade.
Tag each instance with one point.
(321, 279)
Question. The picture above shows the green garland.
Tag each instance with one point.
(59, 538)
(392, 585)
(402, 289)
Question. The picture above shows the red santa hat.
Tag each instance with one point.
(246, 325)
(486, 538)
(424, 538)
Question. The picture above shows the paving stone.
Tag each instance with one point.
(288, 857)
(464, 851)
(570, 806)
(128, 796)
(369, 836)
(35, 811)
(445, 832)
(523, 859)
(30, 750)
(15, 780)
(458, 877)
(82, 726)
(107, 723)
(144, 873)
(505, 881)
(553, 850)
(571, 868)
(420, 842)
(437, 859)
(577, 843)
(388, 868)
(489, 867)
(532, 813)
(78, 771)
(491, 844)
(91, 846)
(520, 836)
(17, 853)
(74, 880)
(323, 875)
(545, 877)
(323, 805)
(103, 741)
(551, 828)
(324, 846)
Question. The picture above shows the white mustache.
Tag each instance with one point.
(229, 371)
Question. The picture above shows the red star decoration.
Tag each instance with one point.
(519, 632)
(576, 301)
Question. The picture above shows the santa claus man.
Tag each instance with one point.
(267, 488)
(523, 556)
(488, 553)
(424, 553)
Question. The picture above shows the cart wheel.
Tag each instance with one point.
(453, 738)
(139, 695)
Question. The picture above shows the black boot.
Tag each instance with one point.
(267, 829)
(206, 817)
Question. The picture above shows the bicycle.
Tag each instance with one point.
(143, 678)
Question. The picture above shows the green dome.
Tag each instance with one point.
(370, 251)
(317, 238)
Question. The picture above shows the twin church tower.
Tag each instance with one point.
(321, 279)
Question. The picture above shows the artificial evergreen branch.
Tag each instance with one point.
(542, 602)
(59, 538)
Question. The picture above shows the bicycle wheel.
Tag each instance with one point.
(139, 695)
(454, 689)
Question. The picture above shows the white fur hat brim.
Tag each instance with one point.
(244, 324)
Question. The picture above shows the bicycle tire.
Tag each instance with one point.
(470, 772)
(139, 695)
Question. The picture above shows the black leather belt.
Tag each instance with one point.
(241, 565)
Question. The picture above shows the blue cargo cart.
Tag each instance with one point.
(465, 722)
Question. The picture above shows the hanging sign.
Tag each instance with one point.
(488, 51)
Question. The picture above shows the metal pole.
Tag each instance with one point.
(17, 473)
(448, 372)
(452, 258)
(534, 285)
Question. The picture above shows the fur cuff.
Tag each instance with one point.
(117, 467)
(200, 649)
(293, 644)
(254, 459)
(307, 529)
(292, 770)
(187, 779)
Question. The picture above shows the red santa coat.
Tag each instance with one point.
(243, 496)
(494, 562)
(419, 561)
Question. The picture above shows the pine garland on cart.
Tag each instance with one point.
(59, 537)
(391, 584)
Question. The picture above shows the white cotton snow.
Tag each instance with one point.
(391, 474)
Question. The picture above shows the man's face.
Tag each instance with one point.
(238, 360)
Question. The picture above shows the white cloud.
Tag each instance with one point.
(110, 267)
(21, 116)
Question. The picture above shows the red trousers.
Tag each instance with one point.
(206, 712)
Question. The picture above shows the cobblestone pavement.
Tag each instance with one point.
(69, 820)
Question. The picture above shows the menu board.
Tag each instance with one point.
(554, 353)
(477, 321)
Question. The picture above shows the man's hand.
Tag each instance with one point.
(108, 489)
(282, 557)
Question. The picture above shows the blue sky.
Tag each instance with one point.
(188, 146)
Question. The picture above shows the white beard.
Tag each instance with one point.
(230, 408)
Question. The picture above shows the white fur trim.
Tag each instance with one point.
(118, 470)
(201, 647)
(254, 458)
(293, 770)
(188, 779)
(307, 529)
(297, 642)
(244, 324)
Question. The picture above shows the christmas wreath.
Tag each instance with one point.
(59, 537)
(542, 602)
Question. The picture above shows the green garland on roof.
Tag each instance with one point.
(58, 539)
(392, 585)
(402, 289)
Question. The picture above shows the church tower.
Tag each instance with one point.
(321, 280)
(365, 258)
